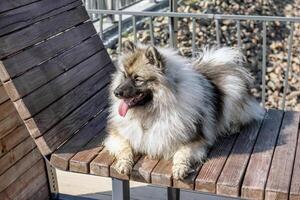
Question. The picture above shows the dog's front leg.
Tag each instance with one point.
(121, 149)
(186, 156)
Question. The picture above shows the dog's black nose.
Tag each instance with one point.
(118, 92)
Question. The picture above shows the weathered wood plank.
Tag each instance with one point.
(8, 4)
(14, 138)
(141, 171)
(114, 173)
(258, 168)
(3, 96)
(60, 158)
(66, 128)
(38, 76)
(230, 180)
(280, 174)
(295, 184)
(33, 34)
(162, 173)
(81, 160)
(19, 168)
(22, 188)
(16, 154)
(207, 178)
(27, 59)
(189, 181)
(44, 120)
(32, 13)
(9, 124)
(42, 193)
(6, 109)
(45, 95)
(100, 165)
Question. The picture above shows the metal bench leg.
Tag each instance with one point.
(173, 193)
(120, 189)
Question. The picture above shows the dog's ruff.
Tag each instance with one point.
(193, 103)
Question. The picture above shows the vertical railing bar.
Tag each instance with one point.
(120, 33)
(101, 26)
(238, 27)
(194, 36)
(151, 30)
(263, 92)
(217, 32)
(286, 76)
(171, 33)
(134, 28)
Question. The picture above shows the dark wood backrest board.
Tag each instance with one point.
(55, 70)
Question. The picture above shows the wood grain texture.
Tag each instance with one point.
(114, 173)
(9, 124)
(162, 173)
(45, 72)
(141, 171)
(295, 184)
(35, 55)
(6, 5)
(42, 193)
(6, 109)
(45, 95)
(3, 95)
(73, 122)
(60, 158)
(14, 138)
(189, 181)
(44, 120)
(230, 180)
(258, 168)
(27, 184)
(33, 34)
(14, 155)
(81, 160)
(19, 168)
(101, 164)
(32, 13)
(280, 174)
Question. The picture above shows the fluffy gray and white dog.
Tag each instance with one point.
(167, 106)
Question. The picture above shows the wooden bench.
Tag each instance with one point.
(56, 71)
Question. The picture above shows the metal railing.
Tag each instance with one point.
(215, 18)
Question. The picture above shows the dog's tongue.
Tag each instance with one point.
(123, 108)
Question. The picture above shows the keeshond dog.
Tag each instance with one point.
(167, 106)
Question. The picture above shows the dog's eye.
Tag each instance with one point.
(138, 81)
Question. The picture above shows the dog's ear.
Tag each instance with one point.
(154, 57)
(128, 46)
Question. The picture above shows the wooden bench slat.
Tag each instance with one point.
(38, 76)
(27, 59)
(9, 124)
(66, 127)
(6, 109)
(19, 168)
(295, 184)
(258, 168)
(230, 180)
(45, 95)
(279, 179)
(16, 154)
(44, 120)
(41, 194)
(141, 171)
(100, 165)
(162, 173)
(32, 13)
(3, 95)
(114, 173)
(19, 188)
(81, 160)
(37, 32)
(60, 158)
(207, 178)
(189, 181)
(12, 139)
(8, 4)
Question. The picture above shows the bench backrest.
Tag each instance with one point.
(54, 67)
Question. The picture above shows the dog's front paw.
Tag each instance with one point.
(180, 171)
(124, 166)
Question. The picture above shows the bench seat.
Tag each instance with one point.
(56, 71)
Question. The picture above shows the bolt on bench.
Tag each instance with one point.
(56, 71)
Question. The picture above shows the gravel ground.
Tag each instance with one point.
(277, 41)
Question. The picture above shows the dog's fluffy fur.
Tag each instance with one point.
(191, 104)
